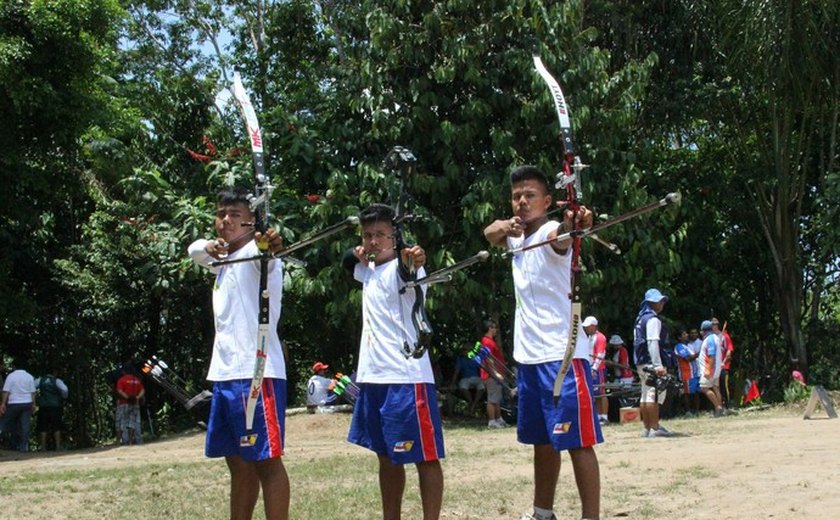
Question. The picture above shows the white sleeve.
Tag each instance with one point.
(654, 327)
(62, 388)
(359, 272)
(198, 253)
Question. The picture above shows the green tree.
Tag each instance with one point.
(56, 73)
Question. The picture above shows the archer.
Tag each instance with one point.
(253, 455)
(396, 415)
(543, 284)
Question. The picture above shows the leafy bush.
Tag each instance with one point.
(795, 392)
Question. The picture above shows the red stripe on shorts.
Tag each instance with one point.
(272, 425)
(424, 421)
(586, 418)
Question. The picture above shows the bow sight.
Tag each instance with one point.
(399, 158)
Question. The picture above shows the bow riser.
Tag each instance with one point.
(403, 162)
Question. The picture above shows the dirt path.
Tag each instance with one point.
(770, 464)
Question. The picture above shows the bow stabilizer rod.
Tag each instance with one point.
(348, 223)
(445, 275)
(671, 198)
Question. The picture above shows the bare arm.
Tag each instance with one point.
(498, 232)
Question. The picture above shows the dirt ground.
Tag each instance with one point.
(760, 464)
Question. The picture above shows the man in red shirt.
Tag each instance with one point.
(493, 387)
(728, 348)
(597, 354)
(621, 359)
(130, 391)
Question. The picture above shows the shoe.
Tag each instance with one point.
(717, 413)
(493, 425)
(529, 516)
(501, 422)
(603, 421)
(646, 433)
(661, 432)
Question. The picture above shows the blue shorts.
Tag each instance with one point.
(226, 433)
(570, 425)
(401, 421)
(694, 385)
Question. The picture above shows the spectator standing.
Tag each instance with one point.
(689, 372)
(52, 392)
(710, 362)
(727, 351)
(598, 352)
(694, 340)
(130, 391)
(648, 343)
(17, 404)
(493, 387)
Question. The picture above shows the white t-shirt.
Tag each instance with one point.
(653, 328)
(386, 325)
(695, 345)
(710, 357)
(20, 385)
(236, 312)
(318, 391)
(542, 283)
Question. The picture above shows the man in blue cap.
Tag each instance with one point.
(649, 337)
(710, 363)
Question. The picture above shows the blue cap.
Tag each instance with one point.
(654, 296)
(706, 325)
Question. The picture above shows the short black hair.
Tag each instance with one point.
(234, 195)
(377, 213)
(528, 172)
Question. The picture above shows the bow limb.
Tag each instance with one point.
(260, 207)
(568, 179)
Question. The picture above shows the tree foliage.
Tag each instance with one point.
(121, 133)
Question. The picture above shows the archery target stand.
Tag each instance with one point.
(819, 395)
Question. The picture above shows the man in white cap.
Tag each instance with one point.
(648, 339)
(621, 360)
(597, 353)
